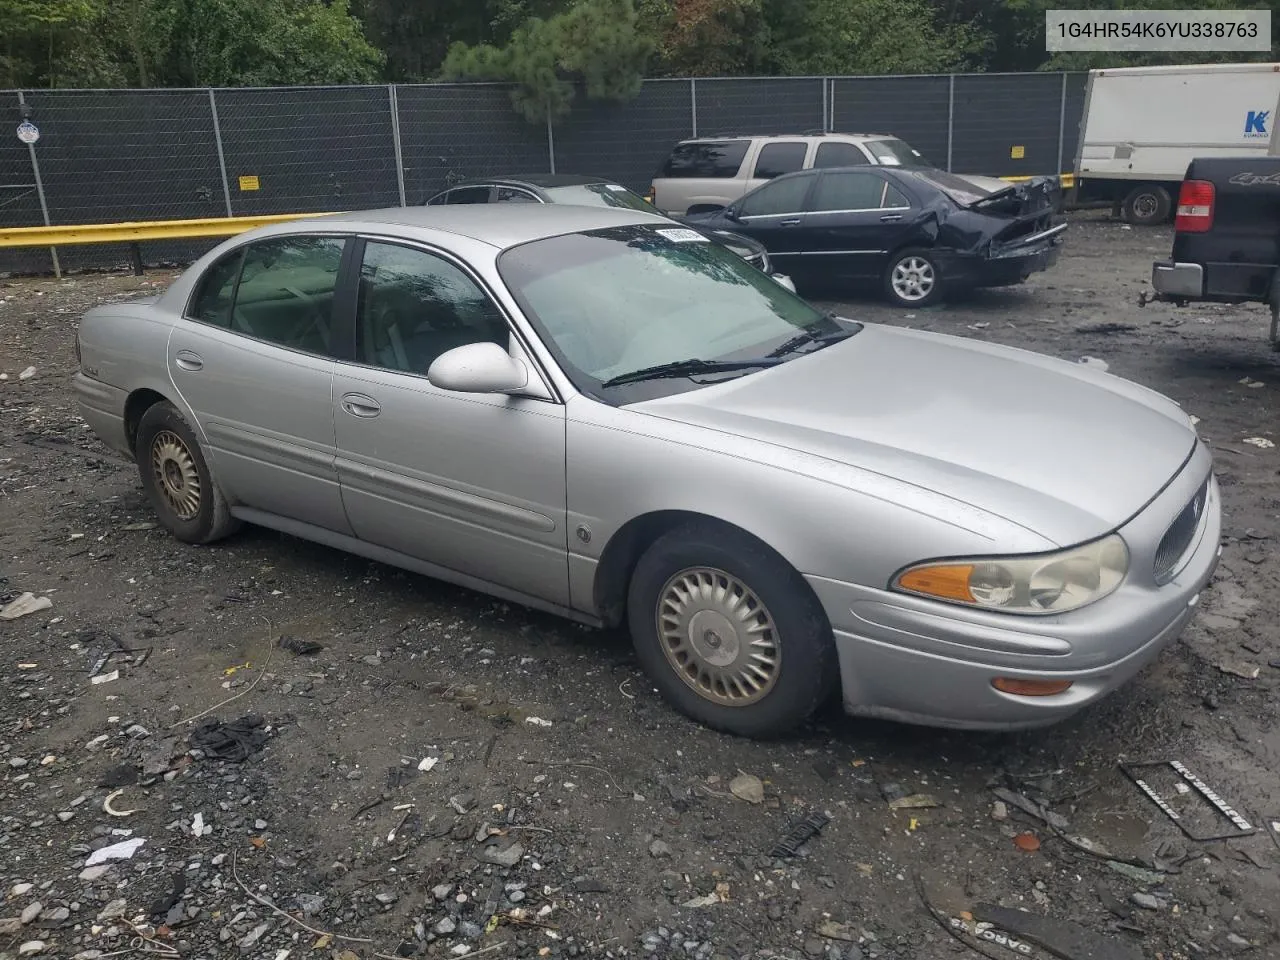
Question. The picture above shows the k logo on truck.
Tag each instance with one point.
(1255, 123)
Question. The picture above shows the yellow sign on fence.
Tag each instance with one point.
(1015, 153)
(249, 183)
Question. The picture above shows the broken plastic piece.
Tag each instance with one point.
(124, 850)
(105, 677)
(25, 604)
(108, 809)
(1134, 772)
(801, 833)
(427, 763)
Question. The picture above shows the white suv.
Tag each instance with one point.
(709, 173)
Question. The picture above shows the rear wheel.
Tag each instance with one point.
(177, 478)
(1146, 205)
(913, 279)
(731, 635)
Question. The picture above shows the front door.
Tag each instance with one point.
(853, 220)
(471, 482)
(253, 361)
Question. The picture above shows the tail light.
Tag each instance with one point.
(1195, 207)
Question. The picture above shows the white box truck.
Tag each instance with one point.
(1143, 125)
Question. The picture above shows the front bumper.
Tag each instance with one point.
(914, 660)
(1003, 267)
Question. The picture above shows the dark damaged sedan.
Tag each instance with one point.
(920, 233)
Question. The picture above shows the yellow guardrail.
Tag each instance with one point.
(1068, 180)
(142, 230)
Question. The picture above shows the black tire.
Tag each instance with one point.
(1146, 205)
(925, 269)
(167, 445)
(805, 668)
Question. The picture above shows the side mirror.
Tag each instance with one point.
(731, 213)
(478, 368)
(785, 281)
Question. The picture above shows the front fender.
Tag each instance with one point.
(825, 519)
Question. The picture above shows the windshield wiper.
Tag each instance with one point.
(805, 337)
(688, 368)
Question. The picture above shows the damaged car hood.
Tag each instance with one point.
(1063, 450)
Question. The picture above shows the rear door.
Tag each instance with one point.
(777, 158)
(774, 215)
(853, 220)
(253, 359)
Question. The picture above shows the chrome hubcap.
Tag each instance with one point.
(176, 474)
(718, 636)
(913, 278)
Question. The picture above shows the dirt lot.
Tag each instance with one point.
(611, 823)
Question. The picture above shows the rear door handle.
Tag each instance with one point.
(789, 223)
(186, 360)
(890, 217)
(358, 405)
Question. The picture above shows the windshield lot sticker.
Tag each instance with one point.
(615, 188)
(683, 236)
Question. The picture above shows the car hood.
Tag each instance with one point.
(1060, 449)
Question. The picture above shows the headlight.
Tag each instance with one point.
(1042, 584)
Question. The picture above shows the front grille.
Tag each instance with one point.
(1179, 536)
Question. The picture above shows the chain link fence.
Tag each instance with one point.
(116, 155)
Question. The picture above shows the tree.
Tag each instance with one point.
(852, 37)
(598, 43)
(48, 42)
(709, 38)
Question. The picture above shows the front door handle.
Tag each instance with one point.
(186, 360)
(358, 405)
(890, 217)
(789, 223)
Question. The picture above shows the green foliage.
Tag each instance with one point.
(595, 42)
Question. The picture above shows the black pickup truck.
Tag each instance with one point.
(1226, 244)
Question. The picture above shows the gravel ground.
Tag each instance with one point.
(449, 775)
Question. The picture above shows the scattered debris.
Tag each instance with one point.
(1244, 671)
(232, 742)
(800, 834)
(537, 721)
(299, 647)
(1030, 807)
(124, 850)
(1027, 842)
(1062, 938)
(917, 801)
(27, 373)
(719, 895)
(105, 677)
(747, 787)
(1134, 772)
(24, 605)
(1146, 901)
(838, 931)
(1100, 365)
(427, 763)
(1251, 383)
(999, 811)
(1262, 443)
(1136, 874)
(110, 810)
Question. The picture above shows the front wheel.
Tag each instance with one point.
(731, 635)
(913, 279)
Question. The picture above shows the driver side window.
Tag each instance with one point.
(413, 306)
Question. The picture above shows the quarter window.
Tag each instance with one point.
(706, 159)
(413, 306)
(515, 195)
(775, 159)
(212, 301)
(847, 191)
(775, 199)
(836, 153)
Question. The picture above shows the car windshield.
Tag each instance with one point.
(611, 302)
(600, 195)
(896, 153)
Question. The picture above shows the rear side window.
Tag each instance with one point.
(775, 159)
(469, 195)
(212, 301)
(706, 160)
(837, 154)
(775, 199)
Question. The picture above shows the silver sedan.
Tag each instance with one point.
(599, 413)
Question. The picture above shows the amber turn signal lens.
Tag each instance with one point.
(1022, 687)
(945, 582)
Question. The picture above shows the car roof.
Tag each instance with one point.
(547, 181)
(499, 225)
(858, 137)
